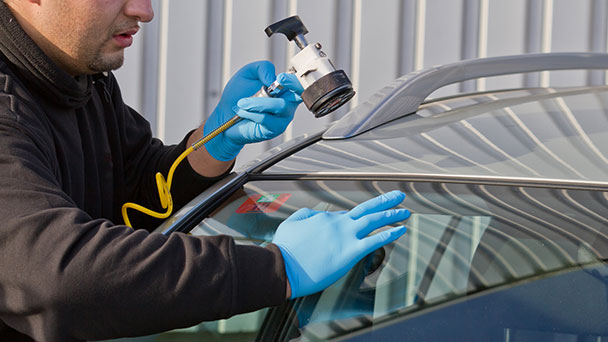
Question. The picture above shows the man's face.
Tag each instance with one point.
(89, 36)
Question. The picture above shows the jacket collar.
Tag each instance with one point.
(36, 68)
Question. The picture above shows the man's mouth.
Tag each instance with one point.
(125, 38)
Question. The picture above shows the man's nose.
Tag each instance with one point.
(140, 9)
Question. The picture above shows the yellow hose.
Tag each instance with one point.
(164, 187)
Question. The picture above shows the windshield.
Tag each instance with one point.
(544, 136)
(461, 239)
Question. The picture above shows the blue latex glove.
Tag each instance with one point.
(319, 247)
(265, 118)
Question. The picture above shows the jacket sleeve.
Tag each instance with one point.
(67, 277)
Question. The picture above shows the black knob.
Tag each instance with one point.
(290, 27)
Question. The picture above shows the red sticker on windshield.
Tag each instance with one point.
(262, 203)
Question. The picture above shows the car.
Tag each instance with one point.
(508, 189)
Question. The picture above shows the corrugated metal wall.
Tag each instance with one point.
(179, 63)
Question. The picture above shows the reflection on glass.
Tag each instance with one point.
(461, 239)
(548, 137)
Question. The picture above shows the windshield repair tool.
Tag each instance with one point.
(325, 90)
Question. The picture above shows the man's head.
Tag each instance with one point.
(82, 36)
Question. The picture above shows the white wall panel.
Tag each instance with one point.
(506, 36)
(571, 24)
(506, 27)
(442, 39)
(378, 47)
(185, 61)
(247, 40)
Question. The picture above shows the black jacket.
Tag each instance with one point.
(71, 153)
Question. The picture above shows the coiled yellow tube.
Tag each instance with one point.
(164, 187)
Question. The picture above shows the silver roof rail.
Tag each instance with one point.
(406, 93)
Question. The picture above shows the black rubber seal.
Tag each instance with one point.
(328, 93)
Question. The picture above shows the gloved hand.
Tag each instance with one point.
(265, 118)
(319, 247)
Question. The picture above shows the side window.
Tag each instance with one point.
(385, 281)
(461, 239)
(431, 262)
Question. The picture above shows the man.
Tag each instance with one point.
(71, 153)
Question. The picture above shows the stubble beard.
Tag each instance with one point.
(101, 63)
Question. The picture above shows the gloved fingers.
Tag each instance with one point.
(290, 81)
(255, 117)
(371, 222)
(376, 241)
(272, 105)
(261, 123)
(260, 70)
(302, 214)
(377, 204)
(291, 97)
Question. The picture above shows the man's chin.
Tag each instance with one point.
(106, 64)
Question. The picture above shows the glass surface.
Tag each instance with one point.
(462, 239)
(537, 136)
(563, 306)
